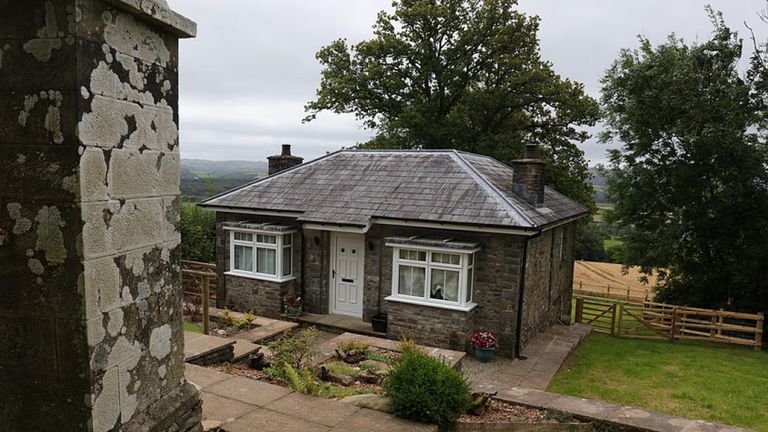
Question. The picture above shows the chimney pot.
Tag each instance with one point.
(286, 150)
(531, 151)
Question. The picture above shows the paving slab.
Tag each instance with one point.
(583, 407)
(643, 419)
(262, 420)
(222, 410)
(246, 390)
(203, 376)
(197, 345)
(267, 331)
(375, 421)
(340, 324)
(530, 397)
(314, 409)
(243, 349)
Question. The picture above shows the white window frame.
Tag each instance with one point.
(462, 268)
(279, 246)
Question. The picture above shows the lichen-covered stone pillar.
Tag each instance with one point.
(90, 324)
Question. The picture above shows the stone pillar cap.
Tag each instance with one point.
(158, 12)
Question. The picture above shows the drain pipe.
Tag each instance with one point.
(520, 298)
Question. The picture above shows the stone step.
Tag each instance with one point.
(243, 349)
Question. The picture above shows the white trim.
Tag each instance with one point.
(432, 249)
(337, 228)
(259, 276)
(463, 269)
(416, 301)
(258, 231)
(278, 247)
(453, 227)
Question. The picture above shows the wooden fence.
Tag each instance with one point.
(196, 278)
(649, 320)
(618, 292)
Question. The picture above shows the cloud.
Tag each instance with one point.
(246, 77)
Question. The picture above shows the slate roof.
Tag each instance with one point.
(352, 186)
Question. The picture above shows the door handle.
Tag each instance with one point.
(345, 280)
(333, 274)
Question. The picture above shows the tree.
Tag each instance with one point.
(589, 244)
(690, 179)
(463, 74)
(198, 233)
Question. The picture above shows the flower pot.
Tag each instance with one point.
(483, 354)
(293, 312)
(379, 322)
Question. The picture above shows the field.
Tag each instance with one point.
(598, 276)
(695, 380)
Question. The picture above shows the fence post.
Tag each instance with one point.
(206, 299)
(613, 318)
(673, 325)
(720, 322)
(759, 331)
(627, 292)
(579, 309)
(620, 306)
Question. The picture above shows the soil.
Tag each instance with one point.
(506, 412)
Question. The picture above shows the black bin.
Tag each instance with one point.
(379, 322)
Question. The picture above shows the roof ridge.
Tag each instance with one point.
(489, 187)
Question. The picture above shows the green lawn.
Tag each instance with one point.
(611, 242)
(190, 327)
(697, 380)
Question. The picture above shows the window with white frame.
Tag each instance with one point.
(262, 255)
(437, 277)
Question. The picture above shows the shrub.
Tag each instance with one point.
(198, 233)
(426, 389)
(352, 345)
(295, 350)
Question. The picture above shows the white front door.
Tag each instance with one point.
(347, 261)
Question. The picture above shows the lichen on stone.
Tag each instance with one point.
(49, 236)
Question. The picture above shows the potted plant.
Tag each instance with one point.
(483, 344)
(292, 305)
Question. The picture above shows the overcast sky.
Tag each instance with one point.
(246, 77)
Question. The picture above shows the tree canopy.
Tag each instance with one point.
(462, 74)
(690, 179)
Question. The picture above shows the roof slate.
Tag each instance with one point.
(353, 186)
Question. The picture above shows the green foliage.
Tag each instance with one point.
(295, 350)
(192, 327)
(462, 74)
(371, 355)
(425, 389)
(690, 178)
(712, 382)
(198, 233)
(341, 368)
(589, 243)
(352, 345)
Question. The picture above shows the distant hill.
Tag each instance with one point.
(598, 186)
(203, 178)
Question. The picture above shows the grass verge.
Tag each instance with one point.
(696, 380)
(190, 327)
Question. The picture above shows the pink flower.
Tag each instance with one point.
(484, 340)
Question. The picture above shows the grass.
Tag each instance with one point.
(190, 327)
(341, 368)
(612, 242)
(696, 380)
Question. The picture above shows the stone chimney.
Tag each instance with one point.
(283, 161)
(528, 178)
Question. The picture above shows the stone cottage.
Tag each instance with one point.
(445, 242)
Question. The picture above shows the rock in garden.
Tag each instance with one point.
(480, 403)
(370, 377)
(221, 333)
(370, 401)
(375, 366)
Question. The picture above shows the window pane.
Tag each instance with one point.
(411, 281)
(445, 285)
(287, 239)
(243, 259)
(243, 236)
(445, 258)
(261, 238)
(469, 285)
(413, 255)
(287, 261)
(265, 261)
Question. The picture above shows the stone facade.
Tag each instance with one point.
(90, 321)
(548, 280)
(496, 287)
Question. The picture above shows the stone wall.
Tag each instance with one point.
(90, 321)
(317, 269)
(441, 328)
(548, 280)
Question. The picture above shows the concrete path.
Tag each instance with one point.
(544, 356)
(340, 323)
(611, 413)
(240, 404)
(266, 328)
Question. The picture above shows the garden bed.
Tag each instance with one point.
(506, 416)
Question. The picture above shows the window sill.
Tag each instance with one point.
(414, 301)
(260, 277)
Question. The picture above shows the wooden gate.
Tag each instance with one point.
(649, 320)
